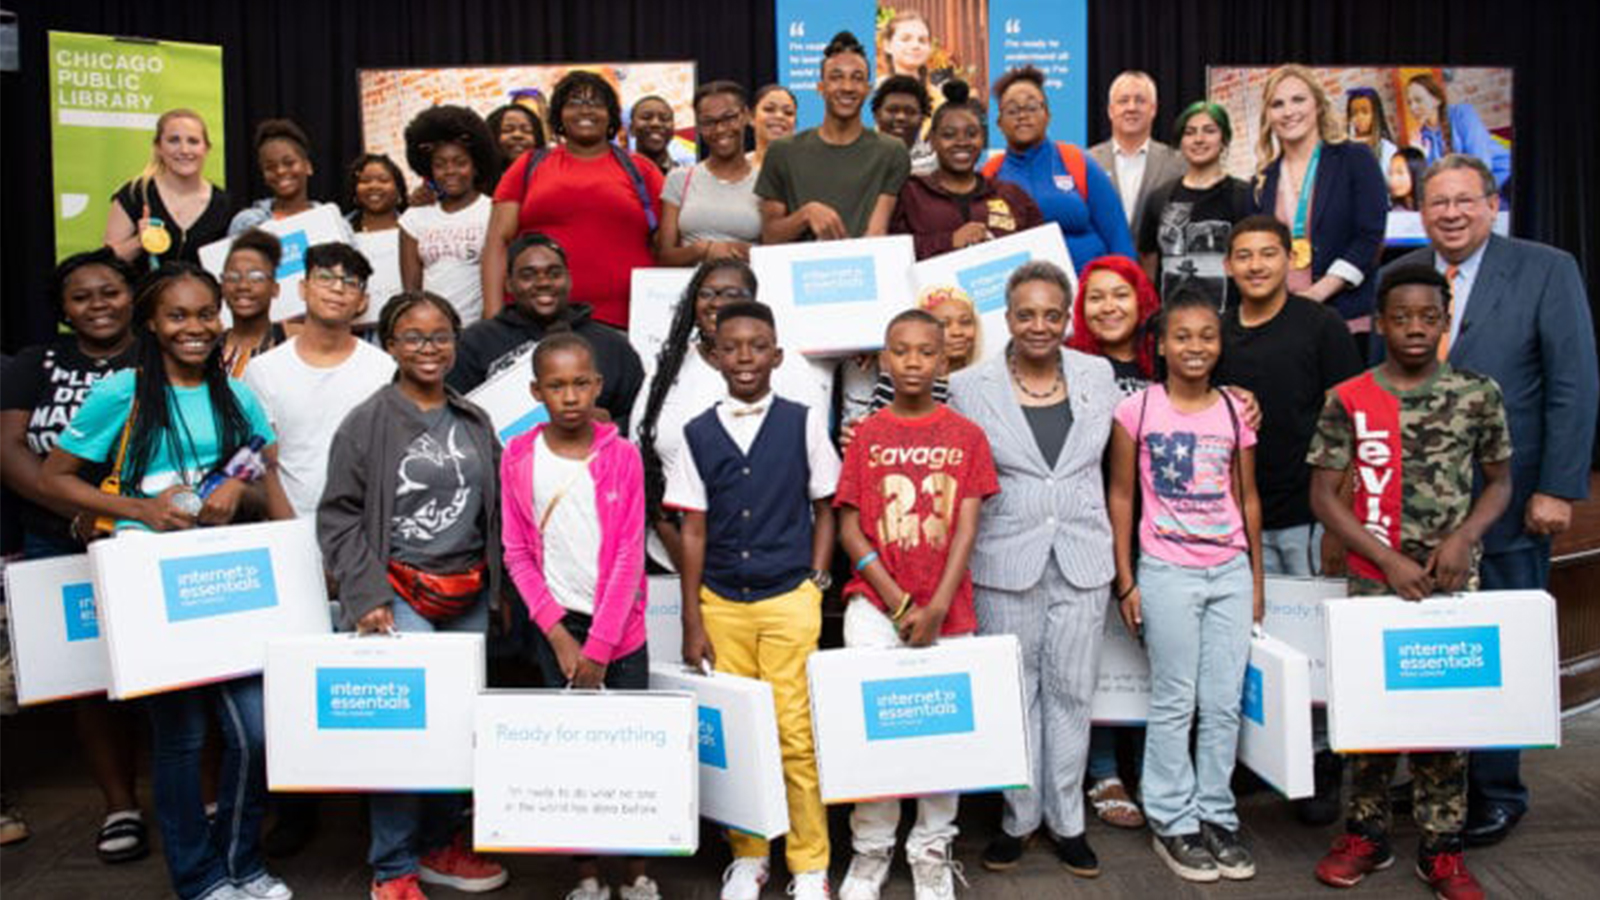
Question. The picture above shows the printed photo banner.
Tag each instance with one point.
(835, 298)
(1470, 671)
(981, 271)
(318, 225)
(57, 646)
(975, 41)
(106, 94)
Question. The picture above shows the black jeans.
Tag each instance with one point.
(626, 673)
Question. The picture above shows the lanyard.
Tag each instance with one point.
(1305, 192)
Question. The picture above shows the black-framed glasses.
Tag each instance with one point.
(727, 293)
(416, 340)
(328, 278)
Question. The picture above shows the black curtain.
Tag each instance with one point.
(298, 58)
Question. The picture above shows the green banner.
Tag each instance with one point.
(105, 96)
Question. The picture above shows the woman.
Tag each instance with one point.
(377, 193)
(43, 388)
(650, 126)
(1328, 191)
(710, 210)
(774, 118)
(1042, 563)
(162, 426)
(410, 530)
(284, 154)
(955, 207)
(1405, 177)
(1069, 188)
(170, 211)
(1187, 223)
(597, 200)
(1369, 125)
(1447, 127)
(451, 149)
(516, 130)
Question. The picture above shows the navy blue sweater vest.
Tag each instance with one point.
(758, 516)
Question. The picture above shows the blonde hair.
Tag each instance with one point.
(157, 165)
(936, 296)
(1329, 126)
(1134, 75)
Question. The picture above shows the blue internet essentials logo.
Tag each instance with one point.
(387, 699)
(218, 584)
(77, 601)
(924, 706)
(713, 748)
(1430, 659)
(1255, 698)
(294, 250)
(524, 423)
(851, 279)
(986, 283)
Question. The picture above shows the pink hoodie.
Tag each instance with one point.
(620, 597)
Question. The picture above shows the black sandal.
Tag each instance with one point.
(120, 827)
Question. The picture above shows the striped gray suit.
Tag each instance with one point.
(1046, 514)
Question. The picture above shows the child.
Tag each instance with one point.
(249, 285)
(1414, 428)
(283, 152)
(449, 147)
(914, 478)
(377, 193)
(1199, 585)
(573, 507)
(754, 476)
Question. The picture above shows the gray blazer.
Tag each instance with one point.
(1163, 165)
(1041, 508)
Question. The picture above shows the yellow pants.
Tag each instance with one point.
(770, 640)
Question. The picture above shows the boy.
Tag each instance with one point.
(249, 285)
(1413, 428)
(914, 478)
(754, 478)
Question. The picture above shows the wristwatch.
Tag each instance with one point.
(822, 578)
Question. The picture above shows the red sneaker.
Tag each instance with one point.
(403, 888)
(1447, 874)
(457, 867)
(1352, 858)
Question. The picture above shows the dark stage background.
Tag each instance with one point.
(298, 58)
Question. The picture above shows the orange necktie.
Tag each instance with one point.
(1444, 341)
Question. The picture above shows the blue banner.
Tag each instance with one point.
(1054, 38)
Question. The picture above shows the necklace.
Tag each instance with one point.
(1016, 378)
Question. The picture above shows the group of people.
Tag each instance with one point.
(1140, 452)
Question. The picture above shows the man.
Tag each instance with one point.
(1521, 317)
(838, 180)
(1137, 163)
(900, 107)
(539, 282)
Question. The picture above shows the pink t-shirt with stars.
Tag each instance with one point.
(1190, 516)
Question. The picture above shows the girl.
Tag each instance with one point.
(377, 193)
(650, 126)
(1405, 177)
(774, 118)
(249, 285)
(284, 153)
(710, 210)
(1187, 447)
(163, 426)
(516, 130)
(410, 530)
(906, 46)
(440, 244)
(574, 517)
(1363, 111)
(1444, 127)
(170, 211)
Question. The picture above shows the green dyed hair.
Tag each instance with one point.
(1214, 110)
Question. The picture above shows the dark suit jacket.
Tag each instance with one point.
(1528, 327)
(1349, 211)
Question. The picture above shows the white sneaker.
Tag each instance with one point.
(810, 886)
(590, 889)
(641, 889)
(864, 881)
(933, 875)
(744, 878)
(266, 887)
(225, 892)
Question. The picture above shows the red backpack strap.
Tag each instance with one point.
(992, 167)
(1072, 158)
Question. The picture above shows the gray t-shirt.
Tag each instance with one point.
(710, 209)
(848, 178)
(438, 503)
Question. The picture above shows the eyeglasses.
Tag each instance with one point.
(415, 340)
(1466, 204)
(728, 293)
(1019, 110)
(587, 101)
(719, 122)
(253, 276)
(335, 281)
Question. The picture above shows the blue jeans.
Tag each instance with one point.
(201, 856)
(1197, 629)
(1296, 550)
(406, 826)
(1494, 777)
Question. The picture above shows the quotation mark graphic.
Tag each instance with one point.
(797, 29)
(1013, 26)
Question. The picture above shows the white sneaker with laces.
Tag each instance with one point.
(266, 887)
(642, 889)
(864, 881)
(934, 874)
(744, 878)
(810, 886)
(590, 889)
(225, 892)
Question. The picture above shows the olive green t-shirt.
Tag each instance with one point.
(848, 178)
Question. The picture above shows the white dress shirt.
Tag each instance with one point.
(1130, 175)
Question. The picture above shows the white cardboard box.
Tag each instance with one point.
(981, 271)
(653, 297)
(1122, 693)
(610, 772)
(1462, 672)
(663, 618)
(191, 607)
(741, 769)
(1275, 718)
(372, 713)
(1295, 616)
(318, 225)
(903, 722)
(835, 298)
(56, 643)
(382, 250)
(507, 397)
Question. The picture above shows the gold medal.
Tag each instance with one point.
(155, 239)
(1300, 253)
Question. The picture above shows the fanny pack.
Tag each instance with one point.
(437, 598)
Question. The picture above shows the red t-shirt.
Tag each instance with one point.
(908, 478)
(591, 208)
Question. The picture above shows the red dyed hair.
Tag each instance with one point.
(1148, 304)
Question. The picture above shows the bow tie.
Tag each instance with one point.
(748, 411)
